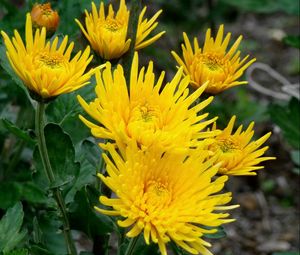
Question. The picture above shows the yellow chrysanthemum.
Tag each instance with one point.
(150, 114)
(46, 68)
(165, 196)
(238, 154)
(107, 34)
(213, 63)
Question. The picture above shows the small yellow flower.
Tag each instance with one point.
(213, 62)
(43, 16)
(238, 154)
(46, 68)
(151, 114)
(168, 197)
(107, 34)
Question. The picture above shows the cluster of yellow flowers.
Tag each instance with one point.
(167, 159)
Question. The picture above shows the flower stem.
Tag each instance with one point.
(39, 126)
(131, 245)
(131, 34)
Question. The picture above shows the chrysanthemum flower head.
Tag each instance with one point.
(107, 34)
(166, 197)
(47, 69)
(238, 154)
(151, 114)
(213, 63)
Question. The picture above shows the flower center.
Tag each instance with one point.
(156, 194)
(212, 61)
(52, 61)
(228, 145)
(112, 25)
(47, 12)
(145, 116)
(46, 9)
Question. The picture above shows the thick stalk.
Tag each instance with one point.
(211, 6)
(135, 10)
(39, 126)
(131, 245)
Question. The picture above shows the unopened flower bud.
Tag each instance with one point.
(43, 16)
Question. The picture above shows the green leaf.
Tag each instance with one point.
(92, 153)
(64, 107)
(62, 157)
(32, 193)
(287, 117)
(85, 177)
(65, 111)
(38, 250)
(10, 228)
(61, 153)
(49, 235)
(17, 252)
(47, 238)
(37, 232)
(89, 156)
(266, 6)
(17, 131)
(293, 41)
(83, 216)
(10, 193)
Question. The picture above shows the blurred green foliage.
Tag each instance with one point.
(287, 117)
(293, 41)
(286, 253)
(266, 6)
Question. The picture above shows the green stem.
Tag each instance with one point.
(131, 245)
(211, 6)
(39, 125)
(135, 10)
